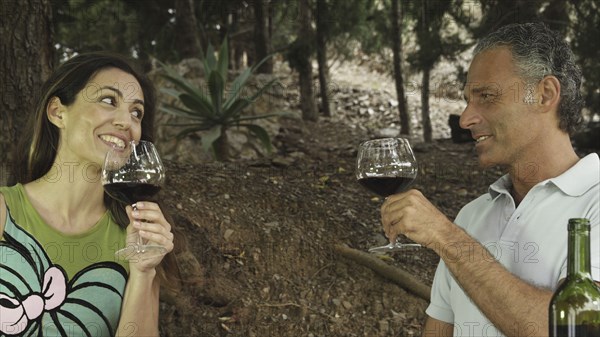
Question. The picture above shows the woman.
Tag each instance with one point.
(60, 230)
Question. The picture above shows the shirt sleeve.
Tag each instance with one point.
(440, 307)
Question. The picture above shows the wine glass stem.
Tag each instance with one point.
(140, 243)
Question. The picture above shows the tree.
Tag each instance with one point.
(322, 18)
(186, 35)
(498, 13)
(556, 15)
(435, 41)
(299, 58)
(585, 31)
(26, 62)
(261, 37)
(429, 23)
(396, 17)
(91, 25)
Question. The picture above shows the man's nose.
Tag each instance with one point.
(469, 117)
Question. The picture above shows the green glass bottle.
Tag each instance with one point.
(575, 306)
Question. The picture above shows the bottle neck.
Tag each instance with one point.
(578, 263)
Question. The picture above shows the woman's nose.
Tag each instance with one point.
(122, 119)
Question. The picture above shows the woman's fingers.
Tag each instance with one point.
(149, 221)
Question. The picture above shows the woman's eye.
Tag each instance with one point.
(108, 100)
(137, 113)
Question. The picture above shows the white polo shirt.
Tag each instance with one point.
(530, 240)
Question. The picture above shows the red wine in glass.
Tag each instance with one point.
(386, 166)
(130, 192)
(386, 186)
(134, 174)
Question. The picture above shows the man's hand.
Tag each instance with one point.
(411, 214)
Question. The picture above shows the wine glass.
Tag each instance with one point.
(133, 174)
(386, 166)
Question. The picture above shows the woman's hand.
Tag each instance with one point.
(148, 221)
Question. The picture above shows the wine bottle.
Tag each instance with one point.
(575, 305)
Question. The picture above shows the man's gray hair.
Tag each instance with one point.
(538, 52)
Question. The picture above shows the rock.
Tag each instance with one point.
(379, 239)
(458, 134)
(281, 161)
(387, 133)
(191, 67)
(228, 233)
(383, 326)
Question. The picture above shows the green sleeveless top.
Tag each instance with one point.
(55, 284)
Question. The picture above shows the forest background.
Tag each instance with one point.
(264, 226)
(403, 37)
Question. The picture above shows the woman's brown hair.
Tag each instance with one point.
(38, 144)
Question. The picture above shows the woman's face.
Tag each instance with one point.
(107, 113)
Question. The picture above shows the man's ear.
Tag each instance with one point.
(55, 111)
(549, 88)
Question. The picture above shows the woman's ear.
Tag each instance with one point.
(55, 111)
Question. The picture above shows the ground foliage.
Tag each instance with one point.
(264, 231)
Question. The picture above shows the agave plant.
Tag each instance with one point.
(212, 112)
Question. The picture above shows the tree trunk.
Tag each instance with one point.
(221, 147)
(426, 119)
(322, 17)
(261, 37)
(186, 31)
(307, 102)
(235, 48)
(26, 61)
(397, 17)
(399, 276)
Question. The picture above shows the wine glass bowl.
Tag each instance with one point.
(133, 174)
(386, 166)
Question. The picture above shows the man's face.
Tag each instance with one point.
(507, 129)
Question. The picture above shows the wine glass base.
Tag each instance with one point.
(140, 252)
(392, 247)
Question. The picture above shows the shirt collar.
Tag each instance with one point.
(500, 186)
(581, 177)
(574, 182)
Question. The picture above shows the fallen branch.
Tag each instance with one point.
(395, 274)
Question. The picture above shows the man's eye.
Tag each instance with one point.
(487, 97)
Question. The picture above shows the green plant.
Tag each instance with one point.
(213, 113)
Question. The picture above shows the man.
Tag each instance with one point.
(505, 253)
